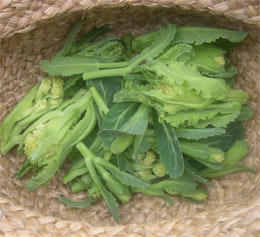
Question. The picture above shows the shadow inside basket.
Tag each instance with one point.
(20, 69)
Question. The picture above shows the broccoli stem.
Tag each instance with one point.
(120, 144)
(105, 73)
(99, 101)
(113, 65)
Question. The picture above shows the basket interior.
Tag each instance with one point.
(19, 70)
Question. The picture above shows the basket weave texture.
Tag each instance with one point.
(31, 31)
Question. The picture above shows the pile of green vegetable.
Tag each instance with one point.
(156, 114)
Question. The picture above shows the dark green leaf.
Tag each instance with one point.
(107, 87)
(71, 203)
(140, 145)
(125, 118)
(183, 184)
(169, 148)
(195, 149)
(195, 174)
(122, 177)
(198, 133)
(245, 114)
(234, 131)
(210, 173)
(69, 41)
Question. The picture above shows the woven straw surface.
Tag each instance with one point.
(31, 31)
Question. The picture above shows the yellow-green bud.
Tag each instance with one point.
(159, 170)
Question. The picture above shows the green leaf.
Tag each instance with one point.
(195, 149)
(245, 114)
(68, 66)
(208, 164)
(91, 35)
(107, 88)
(169, 148)
(125, 118)
(195, 174)
(210, 173)
(122, 177)
(209, 58)
(69, 41)
(165, 37)
(200, 35)
(183, 184)
(198, 133)
(236, 153)
(178, 73)
(178, 52)
(234, 131)
(153, 193)
(123, 163)
(71, 203)
(140, 145)
(218, 115)
(72, 81)
(108, 197)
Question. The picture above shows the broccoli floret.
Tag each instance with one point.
(48, 141)
(43, 97)
(159, 170)
(148, 159)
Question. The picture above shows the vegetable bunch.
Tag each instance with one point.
(156, 114)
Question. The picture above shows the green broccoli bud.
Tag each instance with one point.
(149, 159)
(216, 155)
(159, 170)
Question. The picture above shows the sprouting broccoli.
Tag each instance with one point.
(48, 141)
(149, 158)
(159, 170)
(43, 97)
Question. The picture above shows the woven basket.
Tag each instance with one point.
(31, 31)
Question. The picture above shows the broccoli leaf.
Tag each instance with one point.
(178, 73)
(69, 41)
(234, 132)
(195, 174)
(169, 148)
(195, 149)
(200, 35)
(70, 203)
(67, 66)
(245, 114)
(183, 184)
(121, 176)
(198, 133)
(107, 88)
(212, 173)
(125, 118)
(140, 145)
(209, 58)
